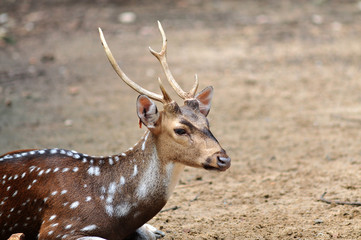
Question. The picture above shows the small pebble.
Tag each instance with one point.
(68, 122)
(318, 221)
(127, 17)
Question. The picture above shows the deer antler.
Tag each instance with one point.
(161, 56)
(161, 98)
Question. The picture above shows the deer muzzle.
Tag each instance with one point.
(219, 161)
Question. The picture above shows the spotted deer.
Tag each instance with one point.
(62, 194)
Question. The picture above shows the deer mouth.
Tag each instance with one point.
(218, 162)
(210, 168)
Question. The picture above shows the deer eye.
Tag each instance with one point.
(180, 131)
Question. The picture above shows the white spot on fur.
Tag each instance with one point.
(109, 210)
(135, 171)
(111, 162)
(68, 226)
(65, 170)
(74, 205)
(145, 139)
(54, 193)
(56, 169)
(88, 198)
(122, 180)
(63, 192)
(75, 169)
(32, 168)
(122, 209)
(41, 172)
(52, 217)
(112, 188)
(89, 228)
(93, 170)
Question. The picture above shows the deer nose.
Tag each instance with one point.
(223, 161)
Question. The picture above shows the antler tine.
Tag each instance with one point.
(124, 77)
(166, 97)
(162, 57)
(194, 89)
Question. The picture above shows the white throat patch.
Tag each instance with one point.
(148, 181)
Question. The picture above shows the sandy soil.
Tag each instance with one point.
(287, 104)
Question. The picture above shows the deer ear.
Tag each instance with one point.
(147, 111)
(204, 99)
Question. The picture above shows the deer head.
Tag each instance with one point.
(181, 133)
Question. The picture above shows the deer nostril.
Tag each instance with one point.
(223, 161)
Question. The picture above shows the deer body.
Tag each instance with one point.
(122, 191)
(61, 194)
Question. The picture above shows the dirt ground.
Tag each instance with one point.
(287, 103)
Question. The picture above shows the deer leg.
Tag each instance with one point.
(146, 232)
(17, 236)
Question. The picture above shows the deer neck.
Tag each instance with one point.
(157, 169)
(141, 180)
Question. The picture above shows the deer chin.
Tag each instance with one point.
(212, 168)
